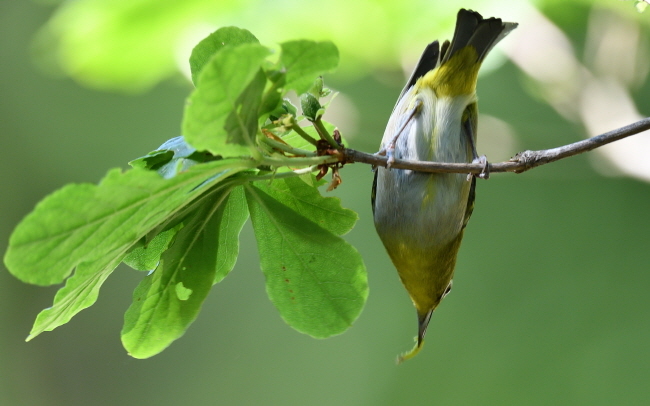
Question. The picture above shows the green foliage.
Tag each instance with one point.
(305, 60)
(312, 276)
(221, 114)
(226, 36)
(167, 302)
(179, 211)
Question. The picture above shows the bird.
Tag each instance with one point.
(421, 217)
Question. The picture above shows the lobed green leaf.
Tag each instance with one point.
(92, 227)
(221, 114)
(166, 302)
(85, 222)
(315, 279)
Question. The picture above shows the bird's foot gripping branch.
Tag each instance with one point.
(178, 212)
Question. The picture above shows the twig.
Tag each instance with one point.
(521, 162)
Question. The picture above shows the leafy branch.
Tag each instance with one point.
(178, 212)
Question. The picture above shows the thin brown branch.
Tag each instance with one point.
(521, 162)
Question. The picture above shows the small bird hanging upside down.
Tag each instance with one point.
(420, 217)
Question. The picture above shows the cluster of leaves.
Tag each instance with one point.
(179, 211)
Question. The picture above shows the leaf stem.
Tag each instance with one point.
(299, 161)
(287, 148)
(288, 174)
(297, 128)
(322, 131)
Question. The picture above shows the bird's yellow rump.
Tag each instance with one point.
(421, 217)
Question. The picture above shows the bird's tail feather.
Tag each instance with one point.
(473, 29)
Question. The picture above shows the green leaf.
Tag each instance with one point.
(305, 60)
(233, 214)
(289, 108)
(92, 227)
(242, 123)
(210, 45)
(307, 201)
(166, 302)
(80, 291)
(85, 222)
(272, 99)
(314, 278)
(271, 105)
(218, 115)
(152, 160)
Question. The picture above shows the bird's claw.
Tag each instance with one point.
(391, 157)
(485, 172)
(389, 153)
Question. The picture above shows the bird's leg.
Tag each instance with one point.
(485, 173)
(389, 150)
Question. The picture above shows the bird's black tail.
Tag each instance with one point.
(473, 29)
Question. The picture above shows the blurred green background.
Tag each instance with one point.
(550, 301)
